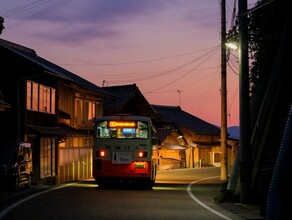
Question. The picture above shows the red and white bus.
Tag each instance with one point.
(124, 150)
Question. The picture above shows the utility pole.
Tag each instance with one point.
(224, 165)
(244, 106)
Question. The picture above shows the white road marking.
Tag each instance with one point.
(8, 209)
(201, 203)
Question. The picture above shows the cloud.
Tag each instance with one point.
(71, 22)
(82, 21)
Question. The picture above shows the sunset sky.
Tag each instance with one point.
(169, 48)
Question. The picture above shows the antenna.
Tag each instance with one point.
(179, 96)
(104, 83)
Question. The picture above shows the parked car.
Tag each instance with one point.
(15, 165)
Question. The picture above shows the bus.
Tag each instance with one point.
(124, 150)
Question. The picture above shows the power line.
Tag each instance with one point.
(137, 75)
(228, 63)
(150, 76)
(187, 73)
(207, 94)
(232, 100)
(34, 16)
(139, 61)
(23, 8)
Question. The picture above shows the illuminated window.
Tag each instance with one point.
(40, 98)
(79, 111)
(28, 95)
(91, 111)
(85, 111)
(77, 142)
(47, 157)
(82, 141)
(35, 97)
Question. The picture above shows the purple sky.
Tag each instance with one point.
(169, 48)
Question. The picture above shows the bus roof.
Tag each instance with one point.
(123, 117)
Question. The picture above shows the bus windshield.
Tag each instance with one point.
(122, 129)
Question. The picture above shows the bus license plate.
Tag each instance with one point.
(121, 157)
(139, 165)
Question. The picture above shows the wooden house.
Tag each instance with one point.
(51, 108)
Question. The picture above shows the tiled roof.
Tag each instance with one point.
(60, 72)
(123, 94)
(163, 132)
(127, 95)
(185, 120)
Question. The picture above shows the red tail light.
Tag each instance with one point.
(101, 153)
(142, 154)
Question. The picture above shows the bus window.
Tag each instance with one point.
(129, 132)
(107, 129)
(113, 133)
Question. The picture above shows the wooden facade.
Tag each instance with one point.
(51, 108)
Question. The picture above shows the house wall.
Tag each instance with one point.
(196, 155)
(169, 159)
(65, 100)
(74, 163)
(75, 153)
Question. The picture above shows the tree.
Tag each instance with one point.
(1, 24)
(267, 21)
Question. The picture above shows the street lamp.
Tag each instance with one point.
(232, 45)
